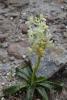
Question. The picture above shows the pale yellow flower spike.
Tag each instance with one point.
(39, 38)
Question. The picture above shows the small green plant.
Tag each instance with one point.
(39, 40)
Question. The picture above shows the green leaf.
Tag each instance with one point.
(24, 73)
(43, 93)
(46, 85)
(13, 89)
(30, 93)
(56, 86)
(27, 71)
(21, 74)
(40, 79)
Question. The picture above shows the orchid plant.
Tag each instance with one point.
(39, 39)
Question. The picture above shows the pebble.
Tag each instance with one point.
(5, 45)
(11, 18)
(2, 98)
(12, 58)
(66, 27)
(62, 7)
(24, 56)
(24, 28)
(65, 35)
(8, 73)
(3, 37)
(2, 84)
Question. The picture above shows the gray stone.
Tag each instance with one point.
(3, 54)
(12, 14)
(5, 44)
(4, 11)
(18, 2)
(65, 35)
(52, 62)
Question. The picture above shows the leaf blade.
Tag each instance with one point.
(13, 89)
(30, 93)
(56, 86)
(43, 93)
(23, 73)
(46, 85)
(40, 79)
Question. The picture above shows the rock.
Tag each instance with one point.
(65, 35)
(63, 95)
(64, 74)
(65, 9)
(5, 44)
(62, 7)
(50, 19)
(24, 28)
(62, 26)
(54, 60)
(65, 21)
(17, 49)
(18, 2)
(3, 54)
(3, 37)
(12, 15)
(2, 98)
(3, 11)
(11, 58)
(60, 1)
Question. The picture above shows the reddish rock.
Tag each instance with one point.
(17, 49)
(24, 29)
(60, 1)
(3, 37)
(50, 19)
(62, 26)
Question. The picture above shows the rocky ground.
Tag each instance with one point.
(13, 35)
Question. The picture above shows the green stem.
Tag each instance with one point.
(35, 69)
